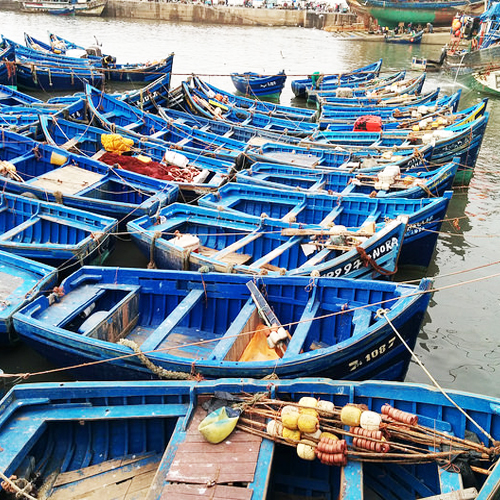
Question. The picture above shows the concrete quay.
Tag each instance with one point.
(217, 14)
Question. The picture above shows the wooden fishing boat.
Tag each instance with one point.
(65, 7)
(107, 65)
(54, 174)
(406, 92)
(198, 105)
(356, 87)
(117, 116)
(404, 38)
(11, 97)
(399, 116)
(392, 12)
(192, 173)
(409, 185)
(462, 139)
(228, 242)
(53, 233)
(201, 323)
(377, 85)
(145, 439)
(300, 86)
(273, 109)
(20, 281)
(47, 77)
(486, 81)
(346, 212)
(255, 85)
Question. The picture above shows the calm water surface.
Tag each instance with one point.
(459, 342)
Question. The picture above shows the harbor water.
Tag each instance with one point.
(458, 344)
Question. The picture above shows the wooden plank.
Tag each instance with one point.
(467, 494)
(192, 454)
(235, 340)
(92, 470)
(229, 258)
(114, 480)
(197, 461)
(238, 244)
(351, 481)
(299, 336)
(219, 472)
(175, 317)
(217, 492)
(273, 254)
(98, 154)
(67, 180)
(71, 143)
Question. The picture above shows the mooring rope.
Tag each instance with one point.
(382, 313)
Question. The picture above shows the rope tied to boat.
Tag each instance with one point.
(382, 313)
(9, 485)
(152, 263)
(157, 370)
(369, 261)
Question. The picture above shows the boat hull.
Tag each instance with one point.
(390, 13)
(375, 351)
(88, 8)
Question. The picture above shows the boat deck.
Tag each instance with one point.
(222, 471)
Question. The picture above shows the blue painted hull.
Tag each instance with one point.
(255, 85)
(343, 183)
(170, 334)
(49, 78)
(300, 87)
(53, 233)
(56, 175)
(252, 104)
(207, 173)
(20, 281)
(72, 429)
(260, 245)
(425, 216)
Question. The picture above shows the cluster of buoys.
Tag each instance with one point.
(300, 424)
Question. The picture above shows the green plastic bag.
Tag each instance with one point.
(217, 426)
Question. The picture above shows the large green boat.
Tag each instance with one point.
(392, 12)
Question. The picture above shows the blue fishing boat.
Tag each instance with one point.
(405, 38)
(117, 116)
(197, 104)
(188, 237)
(45, 76)
(388, 183)
(192, 173)
(202, 323)
(405, 92)
(368, 72)
(53, 233)
(20, 281)
(12, 97)
(391, 117)
(255, 85)
(273, 109)
(54, 174)
(352, 213)
(382, 88)
(145, 438)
